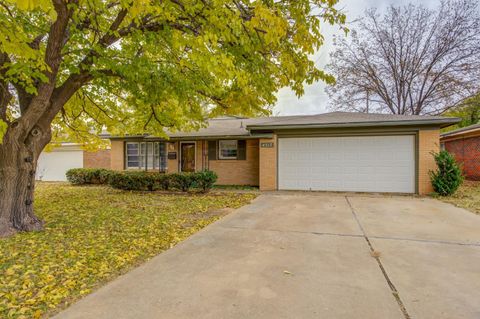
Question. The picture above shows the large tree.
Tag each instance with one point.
(468, 111)
(411, 60)
(72, 67)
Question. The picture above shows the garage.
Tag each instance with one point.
(347, 163)
(53, 165)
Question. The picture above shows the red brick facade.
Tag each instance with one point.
(98, 159)
(466, 152)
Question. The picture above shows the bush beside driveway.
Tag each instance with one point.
(92, 235)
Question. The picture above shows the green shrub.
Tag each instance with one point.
(82, 176)
(162, 182)
(131, 181)
(205, 180)
(141, 180)
(448, 176)
(182, 181)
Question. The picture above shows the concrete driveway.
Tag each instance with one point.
(310, 255)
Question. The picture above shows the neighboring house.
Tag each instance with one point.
(336, 151)
(464, 144)
(53, 165)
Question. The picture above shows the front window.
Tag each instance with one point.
(227, 149)
(146, 155)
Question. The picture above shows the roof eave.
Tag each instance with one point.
(441, 122)
(453, 133)
(193, 137)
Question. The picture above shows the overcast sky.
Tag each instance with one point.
(315, 99)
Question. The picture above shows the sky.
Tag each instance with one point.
(315, 99)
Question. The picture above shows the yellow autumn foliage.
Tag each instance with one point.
(93, 234)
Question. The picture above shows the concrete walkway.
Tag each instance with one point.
(310, 255)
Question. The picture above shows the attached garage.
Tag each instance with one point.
(355, 152)
(347, 163)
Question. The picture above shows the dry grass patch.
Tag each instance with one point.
(467, 196)
(93, 234)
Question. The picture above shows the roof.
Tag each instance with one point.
(235, 126)
(352, 119)
(463, 130)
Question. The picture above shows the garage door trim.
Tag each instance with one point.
(307, 134)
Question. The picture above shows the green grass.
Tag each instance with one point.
(467, 196)
(93, 234)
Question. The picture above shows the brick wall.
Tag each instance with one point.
(237, 172)
(117, 155)
(268, 165)
(98, 159)
(428, 141)
(467, 153)
(172, 164)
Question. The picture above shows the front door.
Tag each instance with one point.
(187, 160)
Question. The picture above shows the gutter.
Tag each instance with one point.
(193, 138)
(453, 133)
(442, 122)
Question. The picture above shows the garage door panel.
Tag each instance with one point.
(53, 165)
(349, 163)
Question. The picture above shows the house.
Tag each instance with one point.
(336, 151)
(52, 165)
(464, 144)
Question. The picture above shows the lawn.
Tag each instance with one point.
(467, 196)
(93, 234)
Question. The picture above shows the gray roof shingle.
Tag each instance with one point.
(349, 118)
(237, 126)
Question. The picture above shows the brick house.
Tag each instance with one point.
(464, 144)
(336, 151)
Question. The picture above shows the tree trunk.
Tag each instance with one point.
(18, 163)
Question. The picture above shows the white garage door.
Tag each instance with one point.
(53, 165)
(353, 163)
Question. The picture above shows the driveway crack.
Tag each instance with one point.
(393, 289)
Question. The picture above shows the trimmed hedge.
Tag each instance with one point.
(82, 176)
(131, 180)
(183, 181)
(205, 179)
(147, 181)
(143, 181)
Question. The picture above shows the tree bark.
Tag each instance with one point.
(18, 161)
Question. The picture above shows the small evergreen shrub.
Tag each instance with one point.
(83, 176)
(205, 180)
(448, 176)
(182, 181)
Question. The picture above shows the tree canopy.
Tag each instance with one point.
(468, 111)
(410, 60)
(142, 66)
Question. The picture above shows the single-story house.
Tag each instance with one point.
(52, 165)
(464, 144)
(336, 151)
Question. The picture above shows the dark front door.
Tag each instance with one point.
(188, 157)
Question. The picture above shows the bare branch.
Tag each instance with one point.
(410, 61)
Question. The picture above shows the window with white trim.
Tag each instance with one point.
(227, 149)
(146, 155)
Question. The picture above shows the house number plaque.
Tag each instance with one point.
(266, 145)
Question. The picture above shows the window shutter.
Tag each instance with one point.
(242, 150)
(212, 150)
